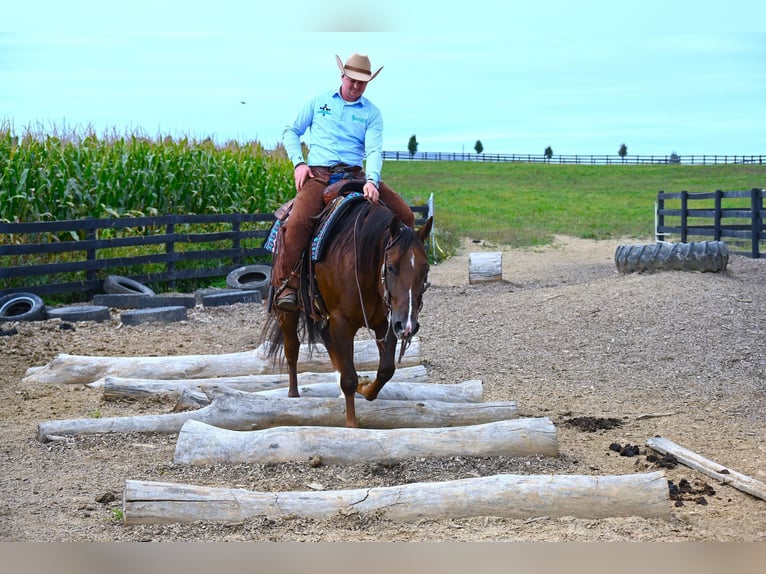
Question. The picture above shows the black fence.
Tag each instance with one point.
(577, 159)
(79, 254)
(736, 217)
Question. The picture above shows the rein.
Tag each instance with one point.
(359, 287)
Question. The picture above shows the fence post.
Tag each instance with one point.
(90, 234)
(717, 215)
(235, 243)
(170, 249)
(684, 215)
(756, 203)
(660, 216)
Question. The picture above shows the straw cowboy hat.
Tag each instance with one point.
(357, 67)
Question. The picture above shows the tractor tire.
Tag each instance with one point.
(705, 256)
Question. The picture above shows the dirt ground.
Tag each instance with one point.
(676, 354)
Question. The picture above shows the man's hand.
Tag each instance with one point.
(301, 174)
(371, 192)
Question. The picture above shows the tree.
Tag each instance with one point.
(623, 151)
(412, 146)
(478, 147)
(548, 153)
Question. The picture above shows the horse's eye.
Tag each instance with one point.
(392, 270)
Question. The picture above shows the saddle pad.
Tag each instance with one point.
(336, 209)
(271, 239)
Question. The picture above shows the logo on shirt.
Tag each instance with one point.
(324, 110)
(356, 118)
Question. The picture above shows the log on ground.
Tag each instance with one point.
(237, 410)
(202, 444)
(252, 383)
(83, 369)
(708, 467)
(465, 392)
(133, 388)
(504, 495)
(485, 267)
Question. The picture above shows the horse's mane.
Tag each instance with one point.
(367, 225)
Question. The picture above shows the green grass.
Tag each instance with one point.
(74, 176)
(524, 204)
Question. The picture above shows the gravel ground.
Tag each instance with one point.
(677, 354)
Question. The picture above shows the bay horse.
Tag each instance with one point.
(373, 273)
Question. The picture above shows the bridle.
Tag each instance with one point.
(385, 294)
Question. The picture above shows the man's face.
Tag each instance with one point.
(351, 89)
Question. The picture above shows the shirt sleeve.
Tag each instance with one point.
(373, 146)
(291, 136)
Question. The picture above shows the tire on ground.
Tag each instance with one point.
(706, 256)
(80, 313)
(117, 284)
(154, 315)
(21, 307)
(250, 277)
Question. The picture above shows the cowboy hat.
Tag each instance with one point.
(357, 67)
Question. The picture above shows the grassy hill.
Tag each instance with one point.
(526, 204)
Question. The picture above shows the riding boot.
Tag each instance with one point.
(297, 232)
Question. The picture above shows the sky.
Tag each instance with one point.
(582, 78)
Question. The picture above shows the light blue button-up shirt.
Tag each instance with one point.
(341, 132)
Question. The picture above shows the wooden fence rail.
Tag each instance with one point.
(741, 206)
(79, 254)
(576, 159)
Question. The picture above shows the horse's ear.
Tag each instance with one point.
(395, 227)
(425, 230)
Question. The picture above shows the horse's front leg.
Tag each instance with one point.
(288, 322)
(340, 347)
(386, 365)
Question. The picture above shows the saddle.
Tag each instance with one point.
(337, 198)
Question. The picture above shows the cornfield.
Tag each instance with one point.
(53, 177)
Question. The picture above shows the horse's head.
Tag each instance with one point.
(404, 276)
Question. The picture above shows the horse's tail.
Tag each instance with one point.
(309, 329)
(271, 333)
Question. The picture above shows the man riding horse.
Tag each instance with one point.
(346, 130)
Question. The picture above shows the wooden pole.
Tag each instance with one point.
(201, 444)
(312, 384)
(253, 383)
(79, 369)
(237, 410)
(504, 495)
(708, 467)
(465, 392)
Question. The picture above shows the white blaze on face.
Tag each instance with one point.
(410, 306)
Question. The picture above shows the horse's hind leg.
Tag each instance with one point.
(288, 322)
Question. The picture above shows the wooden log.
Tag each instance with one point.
(80, 369)
(465, 392)
(237, 410)
(485, 267)
(133, 388)
(503, 495)
(202, 444)
(709, 468)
